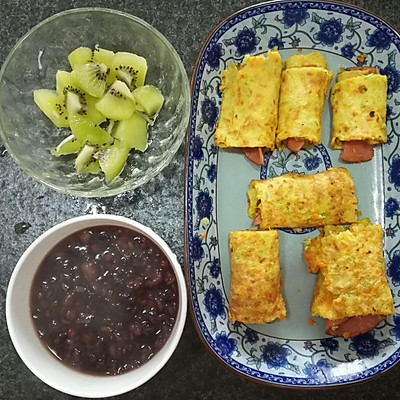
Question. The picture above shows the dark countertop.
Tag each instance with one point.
(28, 209)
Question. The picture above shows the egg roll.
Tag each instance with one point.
(255, 290)
(249, 108)
(303, 201)
(305, 82)
(351, 277)
(358, 102)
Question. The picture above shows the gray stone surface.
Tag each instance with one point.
(30, 208)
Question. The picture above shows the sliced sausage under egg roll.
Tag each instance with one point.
(303, 201)
(351, 292)
(358, 102)
(255, 290)
(305, 82)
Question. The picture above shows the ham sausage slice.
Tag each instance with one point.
(257, 220)
(357, 151)
(294, 145)
(370, 70)
(352, 326)
(254, 154)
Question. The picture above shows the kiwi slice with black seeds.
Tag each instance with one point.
(95, 100)
(69, 145)
(80, 56)
(92, 78)
(64, 79)
(52, 105)
(130, 68)
(91, 167)
(84, 158)
(148, 101)
(75, 100)
(112, 159)
(66, 82)
(117, 103)
(103, 56)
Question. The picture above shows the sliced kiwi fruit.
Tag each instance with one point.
(117, 103)
(88, 132)
(84, 158)
(74, 97)
(110, 127)
(103, 56)
(132, 132)
(69, 145)
(112, 159)
(130, 68)
(52, 105)
(105, 104)
(91, 112)
(92, 167)
(66, 82)
(148, 101)
(65, 79)
(77, 101)
(92, 78)
(80, 56)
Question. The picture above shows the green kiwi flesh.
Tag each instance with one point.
(88, 132)
(69, 145)
(80, 56)
(92, 167)
(92, 78)
(91, 113)
(104, 88)
(84, 158)
(52, 105)
(112, 159)
(103, 56)
(148, 100)
(117, 103)
(130, 68)
(65, 79)
(132, 132)
(66, 82)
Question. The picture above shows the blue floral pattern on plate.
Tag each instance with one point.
(358, 38)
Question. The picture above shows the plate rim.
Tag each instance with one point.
(186, 220)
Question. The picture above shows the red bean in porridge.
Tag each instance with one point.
(104, 300)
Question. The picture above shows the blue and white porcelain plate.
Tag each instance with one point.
(292, 352)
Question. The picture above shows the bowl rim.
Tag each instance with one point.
(103, 191)
(116, 388)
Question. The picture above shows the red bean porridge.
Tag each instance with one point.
(104, 300)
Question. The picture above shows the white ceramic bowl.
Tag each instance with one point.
(32, 352)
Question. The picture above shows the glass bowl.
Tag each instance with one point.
(28, 134)
(32, 350)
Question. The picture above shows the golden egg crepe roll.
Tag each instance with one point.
(348, 73)
(303, 201)
(250, 96)
(358, 102)
(306, 60)
(255, 291)
(305, 82)
(351, 277)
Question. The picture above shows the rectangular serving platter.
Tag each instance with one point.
(293, 352)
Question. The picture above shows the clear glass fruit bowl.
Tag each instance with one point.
(29, 135)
